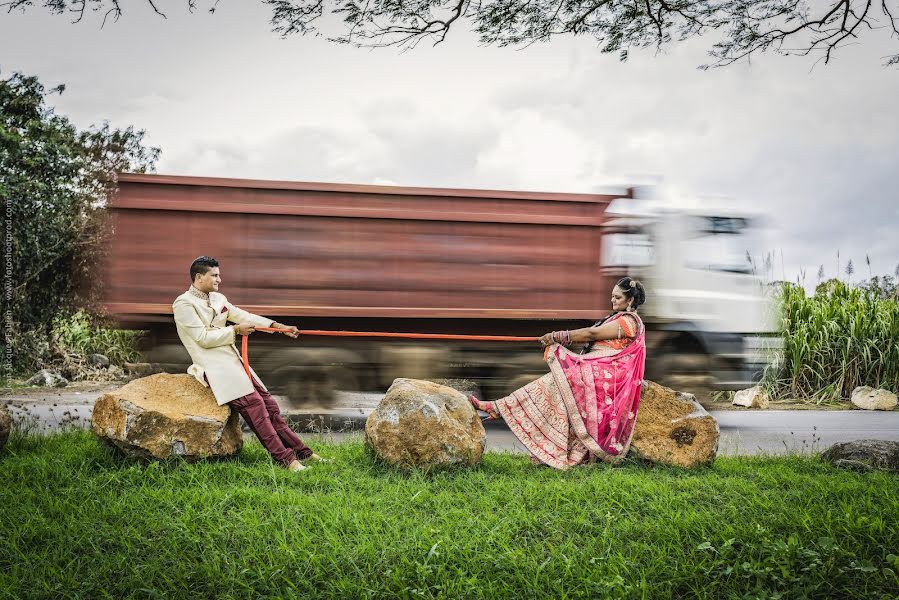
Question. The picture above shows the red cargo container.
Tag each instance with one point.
(334, 256)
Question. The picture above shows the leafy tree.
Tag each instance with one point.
(882, 288)
(54, 181)
(743, 27)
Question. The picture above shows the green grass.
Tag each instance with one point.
(77, 521)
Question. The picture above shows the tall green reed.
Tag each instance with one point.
(839, 338)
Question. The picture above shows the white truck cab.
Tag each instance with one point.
(710, 319)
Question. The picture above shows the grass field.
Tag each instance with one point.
(77, 521)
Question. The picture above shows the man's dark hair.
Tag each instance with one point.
(201, 266)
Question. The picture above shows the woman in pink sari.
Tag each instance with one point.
(585, 408)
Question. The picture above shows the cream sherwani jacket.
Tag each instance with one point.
(203, 328)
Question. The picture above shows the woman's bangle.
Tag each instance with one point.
(562, 337)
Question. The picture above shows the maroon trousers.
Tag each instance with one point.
(261, 413)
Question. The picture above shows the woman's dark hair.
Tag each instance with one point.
(201, 266)
(633, 291)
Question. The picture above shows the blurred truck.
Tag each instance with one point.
(399, 259)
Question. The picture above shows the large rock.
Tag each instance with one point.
(425, 424)
(163, 416)
(5, 426)
(47, 378)
(869, 398)
(674, 429)
(864, 455)
(754, 397)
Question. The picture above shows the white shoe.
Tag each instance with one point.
(316, 458)
(296, 466)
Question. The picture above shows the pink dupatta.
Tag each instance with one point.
(584, 409)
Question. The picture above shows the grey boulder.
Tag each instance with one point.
(864, 455)
(98, 360)
(421, 424)
(869, 398)
(165, 416)
(47, 378)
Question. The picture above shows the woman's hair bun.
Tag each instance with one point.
(633, 291)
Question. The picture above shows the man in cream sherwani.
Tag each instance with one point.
(201, 317)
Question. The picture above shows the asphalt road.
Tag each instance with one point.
(751, 432)
(742, 432)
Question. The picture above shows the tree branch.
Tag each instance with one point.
(156, 10)
(744, 27)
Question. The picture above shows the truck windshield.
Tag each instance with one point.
(719, 244)
(627, 250)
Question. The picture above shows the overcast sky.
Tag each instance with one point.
(814, 147)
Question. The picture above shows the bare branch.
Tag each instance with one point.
(655, 19)
(886, 11)
(112, 11)
(156, 10)
(80, 11)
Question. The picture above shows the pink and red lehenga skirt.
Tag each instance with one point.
(584, 409)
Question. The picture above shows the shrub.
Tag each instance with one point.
(81, 334)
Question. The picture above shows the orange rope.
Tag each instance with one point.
(417, 336)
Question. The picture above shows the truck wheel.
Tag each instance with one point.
(310, 377)
(312, 386)
(687, 373)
